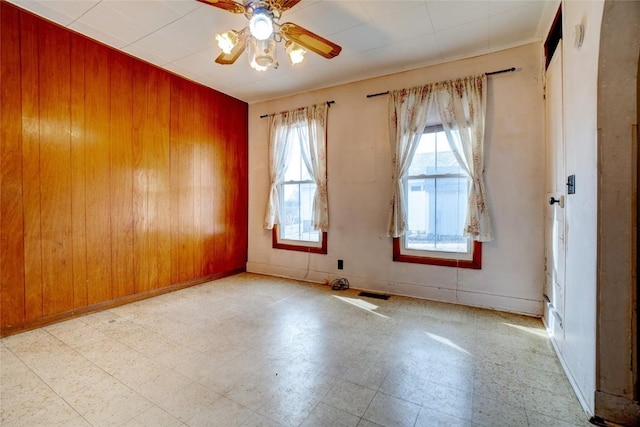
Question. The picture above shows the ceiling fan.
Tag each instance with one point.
(264, 32)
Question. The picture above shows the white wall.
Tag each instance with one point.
(359, 173)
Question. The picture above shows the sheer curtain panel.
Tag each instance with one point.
(280, 126)
(462, 105)
(408, 109)
(312, 136)
(309, 126)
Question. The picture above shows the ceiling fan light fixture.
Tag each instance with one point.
(262, 54)
(261, 25)
(295, 51)
(227, 41)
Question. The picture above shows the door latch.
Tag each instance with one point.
(559, 201)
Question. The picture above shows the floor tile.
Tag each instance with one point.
(489, 412)
(434, 418)
(190, 400)
(288, 408)
(253, 350)
(390, 411)
(349, 397)
(257, 420)
(153, 417)
(324, 415)
(223, 412)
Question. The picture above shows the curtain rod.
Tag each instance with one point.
(506, 70)
(267, 115)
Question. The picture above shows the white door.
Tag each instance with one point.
(555, 187)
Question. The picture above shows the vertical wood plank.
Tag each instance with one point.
(143, 220)
(182, 198)
(218, 147)
(239, 213)
(12, 291)
(122, 276)
(55, 168)
(31, 165)
(78, 175)
(151, 178)
(200, 163)
(98, 173)
(161, 160)
(209, 187)
(174, 189)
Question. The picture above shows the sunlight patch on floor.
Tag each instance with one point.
(534, 331)
(446, 341)
(361, 304)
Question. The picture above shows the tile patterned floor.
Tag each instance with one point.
(251, 350)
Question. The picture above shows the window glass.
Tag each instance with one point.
(436, 191)
(295, 231)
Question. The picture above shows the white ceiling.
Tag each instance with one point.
(378, 37)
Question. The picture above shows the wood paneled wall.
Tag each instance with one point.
(118, 180)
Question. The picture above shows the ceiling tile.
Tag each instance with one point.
(467, 39)
(107, 20)
(501, 6)
(325, 18)
(181, 7)
(62, 12)
(514, 26)
(381, 9)
(147, 14)
(196, 30)
(139, 52)
(406, 24)
(407, 54)
(361, 38)
(449, 14)
(96, 34)
(163, 46)
(203, 63)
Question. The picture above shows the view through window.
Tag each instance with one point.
(296, 195)
(436, 189)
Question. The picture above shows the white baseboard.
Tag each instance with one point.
(574, 385)
(423, 291)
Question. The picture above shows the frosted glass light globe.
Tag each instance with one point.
(261, 26)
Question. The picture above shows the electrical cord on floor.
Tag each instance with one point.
(339, 284)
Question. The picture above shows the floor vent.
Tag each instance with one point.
(373, 295)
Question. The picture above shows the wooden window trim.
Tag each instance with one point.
(474, 263)
(300, 248)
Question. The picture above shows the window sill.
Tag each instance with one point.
(474, 263)
(301, 247)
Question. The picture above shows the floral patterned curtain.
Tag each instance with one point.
(408, 110)
(462, 105)
(312, 138)
(310, 125)
(280, 126)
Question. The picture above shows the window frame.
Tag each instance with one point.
(320, 247)
(474, 263)
(472, 259)
(302, 247)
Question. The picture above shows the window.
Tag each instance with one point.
(436, 193)
(295, 231)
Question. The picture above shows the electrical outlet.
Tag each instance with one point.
(340, 264)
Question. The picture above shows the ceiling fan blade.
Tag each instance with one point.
(231, 57)
(228, 5)
(309, 40)
(287, 4)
